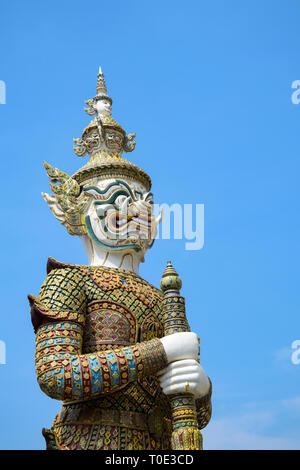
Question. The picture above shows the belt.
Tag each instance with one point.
(87, 415)
(155, 422)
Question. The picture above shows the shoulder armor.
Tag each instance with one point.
(41, 314)
(54, 264)
(62, 295)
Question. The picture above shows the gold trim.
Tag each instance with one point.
(105, 258)
(122, 260)
(92, 250)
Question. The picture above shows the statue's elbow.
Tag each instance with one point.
(49, 387)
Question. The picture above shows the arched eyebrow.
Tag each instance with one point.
(113, 197)
(148, 196)
(115, 183)
(138, 193)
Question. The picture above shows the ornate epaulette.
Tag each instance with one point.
(41, 314)
(54, 264)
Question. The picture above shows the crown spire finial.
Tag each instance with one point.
(101, 86)
(103, 136)
(101, 94)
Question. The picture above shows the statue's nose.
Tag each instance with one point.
(135, 208)
(140, 208)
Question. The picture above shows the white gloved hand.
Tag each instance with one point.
(181, 346)
(174, 378)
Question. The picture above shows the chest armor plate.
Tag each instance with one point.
(122, 309)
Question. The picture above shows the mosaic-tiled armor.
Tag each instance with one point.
(101, 342)
(97, 350)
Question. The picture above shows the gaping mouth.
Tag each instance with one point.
(119, 221)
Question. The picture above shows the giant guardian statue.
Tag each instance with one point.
(115, 350)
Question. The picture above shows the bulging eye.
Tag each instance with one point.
(116, 221)
(120, 200)
(149, 198)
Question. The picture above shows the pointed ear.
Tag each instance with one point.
(55, 175)
(53, 204)
(55, 188)
(67, 204)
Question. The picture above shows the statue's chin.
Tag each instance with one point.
(131, 243)
(138, 244)
(131, 240)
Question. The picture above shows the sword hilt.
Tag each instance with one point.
(185, 435)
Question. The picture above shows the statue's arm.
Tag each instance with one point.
(64, 373)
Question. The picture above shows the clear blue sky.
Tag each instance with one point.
(207, 88)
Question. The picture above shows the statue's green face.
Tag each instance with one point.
(120, 215)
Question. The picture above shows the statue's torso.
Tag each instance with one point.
(120, 309)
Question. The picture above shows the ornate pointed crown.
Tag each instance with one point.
(104, 140)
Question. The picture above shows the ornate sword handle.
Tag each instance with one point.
(185, 435)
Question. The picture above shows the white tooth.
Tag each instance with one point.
(124, 207)
(159, 217)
